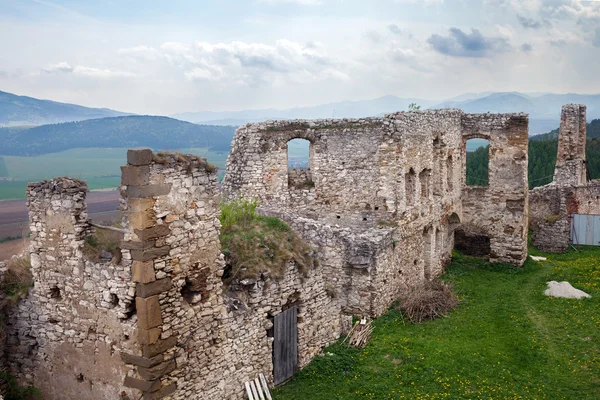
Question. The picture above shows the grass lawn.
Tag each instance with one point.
(506, 340)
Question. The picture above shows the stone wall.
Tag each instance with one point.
(500, 210)
(398, 184)
(66, 336)
(156, 321)
(570, 192)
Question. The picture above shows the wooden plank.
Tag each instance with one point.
(250, 397)
(253, 390)
(259, 389)
(263, 380)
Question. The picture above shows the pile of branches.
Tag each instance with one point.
(360, 334)
(432, 300)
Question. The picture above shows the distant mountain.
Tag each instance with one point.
(23, 110)
(543, 108)
(592, 132)
(343, 109)
(161, 133)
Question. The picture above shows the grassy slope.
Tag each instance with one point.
(505, 340)
(100, 167)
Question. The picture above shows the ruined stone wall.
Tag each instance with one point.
(570, 192)
(570, 166)
(501, 209)
(405, 173)
(155, 322)
(208, 342)
(553, 206)
(66, 336)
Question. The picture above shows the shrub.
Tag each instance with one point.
(432, 300)
(14, 391)
(255, 244)
(18, 278)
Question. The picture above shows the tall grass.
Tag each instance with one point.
(240, 212)
(255, 244)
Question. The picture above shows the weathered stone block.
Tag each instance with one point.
(154, 288)
(164, 392)
(141, 384)
(148, 336)
(132, 245)
(153, 232)
(162, 369)
(139, 156)
(148, 191)
(161, 346)
(149, 313)
(142, 219)
(135, 176)
(150, 254)
(141, 361)
(140, 205)
(143, 271)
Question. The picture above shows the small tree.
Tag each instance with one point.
(414, 107)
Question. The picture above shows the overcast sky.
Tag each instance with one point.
(163, 57)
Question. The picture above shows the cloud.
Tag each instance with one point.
(396, 30)
(243, 63)
(526, 47)
(461, 44)
(529, 22)
(64, 67)
(58, 67)
(596, 38)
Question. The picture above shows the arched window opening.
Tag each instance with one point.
(299, 163)
(410, 187)
(477, 170)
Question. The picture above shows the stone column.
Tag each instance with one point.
(570, 161)
(146, 242)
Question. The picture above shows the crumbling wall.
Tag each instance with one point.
(501, 209)
(65, 337)
(194, 340)
(570, 192)
(570, 168)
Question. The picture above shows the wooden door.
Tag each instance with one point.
(285, 345)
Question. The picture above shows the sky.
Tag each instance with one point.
(165, 57)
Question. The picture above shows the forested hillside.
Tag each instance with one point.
(542, 157)
(160, 133)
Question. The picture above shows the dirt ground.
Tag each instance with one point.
(9, 249)
(102, 206)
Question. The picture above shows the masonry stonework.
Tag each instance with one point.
(553, 205)
(380, 205)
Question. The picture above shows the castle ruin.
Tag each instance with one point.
(382, 204)
(571, 192)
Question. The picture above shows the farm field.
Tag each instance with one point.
(100, 167)
(505, 340)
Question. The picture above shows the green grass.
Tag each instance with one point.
(506, 340)
(253, 244)
(99, 167)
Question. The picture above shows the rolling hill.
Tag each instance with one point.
(161, 133)
(23, 110)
